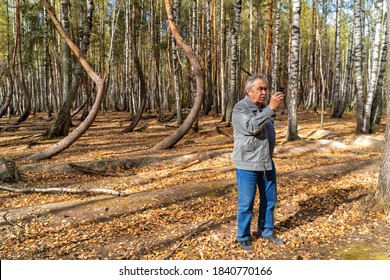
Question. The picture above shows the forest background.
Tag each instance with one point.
(328, 56)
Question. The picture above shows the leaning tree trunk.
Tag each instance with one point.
(292, 124)
(138, 66)
(231, 97)
(383, 192)
(83, 127)
(194, 61)
(61, 124)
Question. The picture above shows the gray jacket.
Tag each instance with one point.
(254, 136)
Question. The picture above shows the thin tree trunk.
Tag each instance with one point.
(336, 82)
(292, 123)
(275, 56)
(46, 66)
(175, 61)
(7, 100)
(269, 39)
(358, 44)
(374, 70)
(20, 76)
(223, 61)
(170, 141)
(378, 101)
(140, 73)
(231, 98)
(250, 8)
(209, 85)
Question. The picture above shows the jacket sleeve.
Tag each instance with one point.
(249, 124)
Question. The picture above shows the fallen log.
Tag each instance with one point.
(110, 166)
(59, 190)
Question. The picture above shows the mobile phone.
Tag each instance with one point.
(281, 89)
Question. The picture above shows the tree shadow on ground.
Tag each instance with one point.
(317, 206)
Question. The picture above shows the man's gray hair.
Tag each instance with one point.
(253, 78)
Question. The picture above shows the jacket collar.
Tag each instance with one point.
(252, 106)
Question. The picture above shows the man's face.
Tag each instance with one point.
(258, 92)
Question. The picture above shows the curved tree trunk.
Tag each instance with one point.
(83, 127)
(170, 141)
(61, 124)
(138, 66)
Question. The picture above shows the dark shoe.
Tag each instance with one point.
(274, 239)
(246, 245)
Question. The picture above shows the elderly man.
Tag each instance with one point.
(254, 141)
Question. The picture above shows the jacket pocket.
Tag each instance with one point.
(249, 152)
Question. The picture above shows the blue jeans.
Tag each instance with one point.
(247, 182)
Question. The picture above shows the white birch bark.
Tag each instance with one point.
(374, 71)
(292, 123)
(358, 66)
(233, 61)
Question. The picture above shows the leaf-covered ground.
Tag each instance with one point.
(181, 203)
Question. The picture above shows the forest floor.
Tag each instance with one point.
(181, 203)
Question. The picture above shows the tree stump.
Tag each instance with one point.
(8, 171)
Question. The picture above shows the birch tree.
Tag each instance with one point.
(275, 55)
(175, 62)
(358, 44)
(231, 98)
(375, 64)
(222, 65)
(292, 123)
